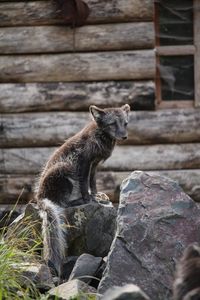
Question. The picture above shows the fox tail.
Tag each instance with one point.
(54, 231)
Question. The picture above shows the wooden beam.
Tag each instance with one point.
(176, 104)
(21, 187)
(197, 52)
(118, 65)
(49, 39)
(175, 50)
(145, 127)
(36, 97)
(37, 13)
(124, 158)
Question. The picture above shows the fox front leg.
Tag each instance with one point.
(92, 180)
(83, 175)
(96, 196)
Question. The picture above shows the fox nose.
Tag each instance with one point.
(124, 137)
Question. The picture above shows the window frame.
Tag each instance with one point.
(178, 50)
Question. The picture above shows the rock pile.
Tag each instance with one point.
(136, 260)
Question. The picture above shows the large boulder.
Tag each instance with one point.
(91, 228)
(156, 222)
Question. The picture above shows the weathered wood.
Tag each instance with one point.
(17, 97)
(145, 127)
(118, 65)
(197, 52)
(13, 187)
(186, 104)
(16, 189)
(124, 158)
(176, 50)
(49, 39)
(46, 13)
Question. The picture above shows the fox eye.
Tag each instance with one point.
(125, 124)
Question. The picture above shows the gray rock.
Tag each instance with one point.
(70, 289)
(156, 221)
(68, 266)
(36, 273)
(127, 292)
(85, 267)
(91, 229)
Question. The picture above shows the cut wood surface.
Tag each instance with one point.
(145, 127)
(19, 97)
(118, 65)
(124, 158)
(49, 39)
(45, 12)
(21, 187)
(197, 52)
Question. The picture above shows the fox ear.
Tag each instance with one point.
(126, 108)
(96, 112)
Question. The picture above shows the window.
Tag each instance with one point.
(177, 27)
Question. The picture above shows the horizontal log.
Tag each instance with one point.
(124, 158)
(175, 50)
(49, 39)
(118, 65)
(20, 188)
(25, 13)
(145, 127)
(17, 97)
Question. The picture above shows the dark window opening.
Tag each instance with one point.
(174, 26)
(177, 77)
(175, 22)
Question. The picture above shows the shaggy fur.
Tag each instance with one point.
(68, 178)
(187, 276)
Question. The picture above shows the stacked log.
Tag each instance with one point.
(145, 127)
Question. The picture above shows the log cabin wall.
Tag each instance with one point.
(50, 74)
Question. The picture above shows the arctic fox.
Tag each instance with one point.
(68, 178)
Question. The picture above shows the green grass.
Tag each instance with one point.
(83, 296)
(19, 244)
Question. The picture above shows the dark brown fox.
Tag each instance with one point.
(68, 178)
(187, 277)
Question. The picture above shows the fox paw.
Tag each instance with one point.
(102, 198)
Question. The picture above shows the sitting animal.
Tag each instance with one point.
(187, 276)
(68, 179)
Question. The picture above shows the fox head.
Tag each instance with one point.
(112, 121)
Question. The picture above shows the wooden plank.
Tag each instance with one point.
(154, 157)
(23, 13)
(124, 158)
(175, 104)
(197, 52)
(22, 187)
(16, 189)
(118, 65)
(17, 97)
(49, 39)
(175, 50)
(145, 127)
